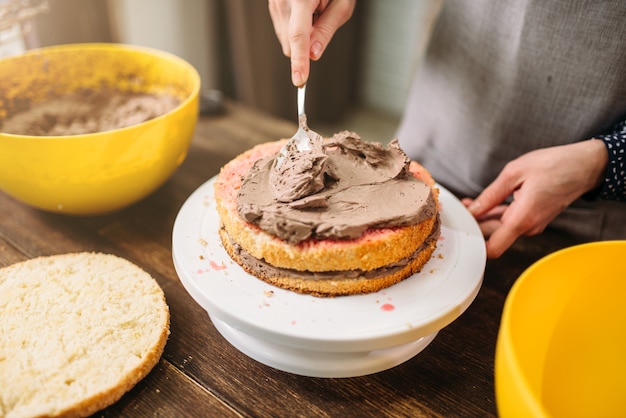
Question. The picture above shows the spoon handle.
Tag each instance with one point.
(301, 92)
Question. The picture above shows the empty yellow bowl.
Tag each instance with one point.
(105, 171)
(561, 348)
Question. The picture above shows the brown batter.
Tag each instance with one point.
(87, 112)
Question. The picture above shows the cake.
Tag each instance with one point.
(345, 217)
(78, 331)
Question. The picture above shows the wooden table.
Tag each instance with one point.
(202, 375)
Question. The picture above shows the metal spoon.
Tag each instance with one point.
(301, 140)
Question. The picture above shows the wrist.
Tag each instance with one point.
(599, 155)
(597, 152)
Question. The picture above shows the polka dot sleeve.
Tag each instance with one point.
(614, 185)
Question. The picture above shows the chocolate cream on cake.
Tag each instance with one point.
(338, 190)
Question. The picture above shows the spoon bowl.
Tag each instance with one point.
(301, 140)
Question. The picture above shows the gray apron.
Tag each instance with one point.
(503, 77)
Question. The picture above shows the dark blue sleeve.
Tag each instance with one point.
(613, 186)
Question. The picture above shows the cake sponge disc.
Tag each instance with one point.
(77, 331)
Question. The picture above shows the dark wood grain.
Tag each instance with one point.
(201, 374)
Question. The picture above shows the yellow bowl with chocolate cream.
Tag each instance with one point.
(103, 171)
(561, 349)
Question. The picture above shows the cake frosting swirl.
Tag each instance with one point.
(337, 190)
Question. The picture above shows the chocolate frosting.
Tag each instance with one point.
(298, 173)
(261, 268)
(87, 111)
(337, 190)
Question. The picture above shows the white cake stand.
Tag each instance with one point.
(328, 337)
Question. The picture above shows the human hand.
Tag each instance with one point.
(542, 183)
(303, 37)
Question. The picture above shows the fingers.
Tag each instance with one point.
(514, 223)
(499, 234)
(489, 211)
(492, 215)
(279, 13)
(299, 39)
(326, 24)
(501, 239)
(293, 25)
(489, 223)
(504, 224)
(497, 192)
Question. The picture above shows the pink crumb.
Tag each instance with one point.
(216, 266)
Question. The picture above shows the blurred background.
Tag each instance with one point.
(360, 83)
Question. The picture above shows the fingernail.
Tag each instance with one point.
(316, 50)
(297, 79)
(474, 206)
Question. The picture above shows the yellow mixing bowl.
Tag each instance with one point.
(561, 348)
(100, 172)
